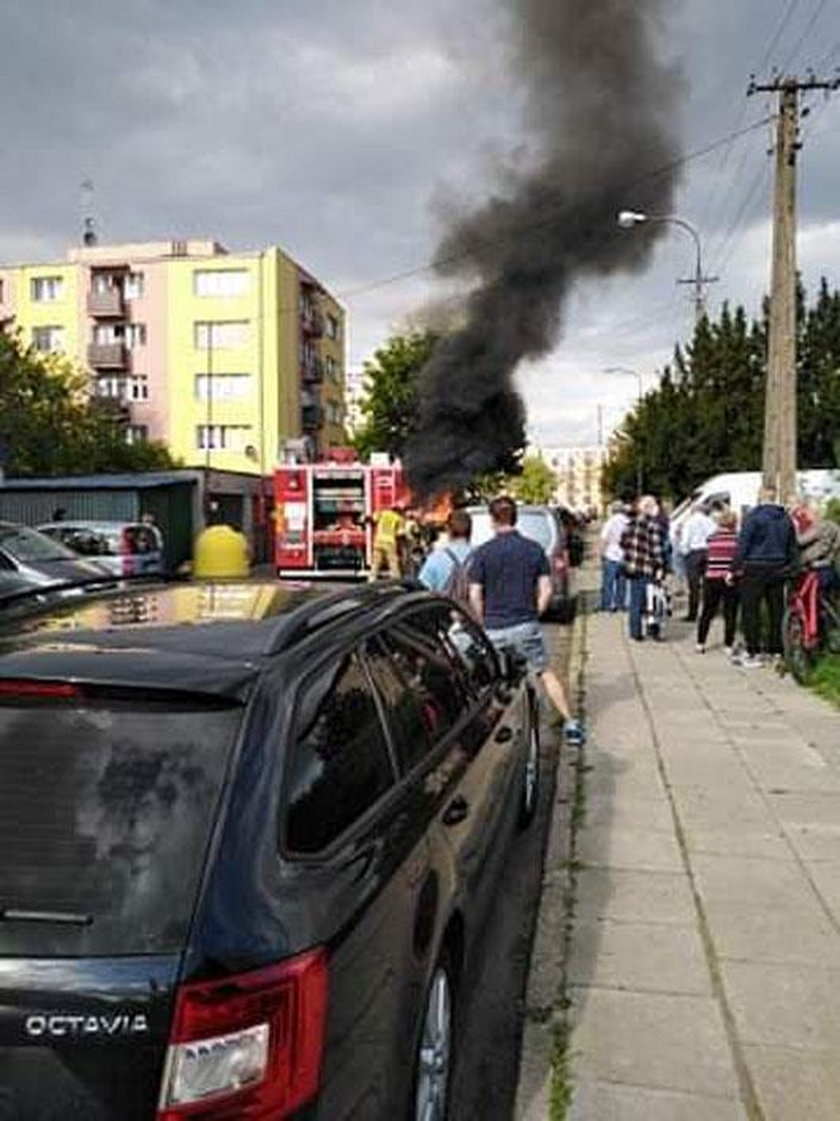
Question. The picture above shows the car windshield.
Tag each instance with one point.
(106, 808)
(534, 524)
(30, 547)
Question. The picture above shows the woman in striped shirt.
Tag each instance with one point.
(719, 586)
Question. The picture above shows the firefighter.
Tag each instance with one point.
(389, 531)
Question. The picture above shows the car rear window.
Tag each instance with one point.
(106, 809)
(534, 524)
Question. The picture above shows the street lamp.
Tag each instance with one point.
(639, 451)
(629, 219)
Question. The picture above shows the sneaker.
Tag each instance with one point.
(748, 661)
(729, 651)
(700, 648)
(573, 733)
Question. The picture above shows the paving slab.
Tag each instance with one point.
(651, 1039)
(773, 934)
(742, 839)
(761, 883)
(795, 1085)
(785, 1005)
(647, 957)
(608, 1101)
(623, 847)
(626, 895)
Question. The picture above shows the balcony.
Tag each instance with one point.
(107, 356)
(312, 418)
(312, 371)
(106, 304)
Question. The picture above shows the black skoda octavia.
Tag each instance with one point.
(247, 837)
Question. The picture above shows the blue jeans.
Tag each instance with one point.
(638, 603)
(613, 586)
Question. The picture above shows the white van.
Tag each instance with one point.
(739, 490)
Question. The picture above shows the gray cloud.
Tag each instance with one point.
(332, 127)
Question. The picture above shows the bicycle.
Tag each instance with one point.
(811, 626)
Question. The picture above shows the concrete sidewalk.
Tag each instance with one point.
(703, 967)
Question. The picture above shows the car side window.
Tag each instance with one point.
(431, 626)
(340, 764)
(475, 652)
(411, 723)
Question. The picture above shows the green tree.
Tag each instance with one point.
(536, 484)
(390, 405)
(707, 414)
(50, 424)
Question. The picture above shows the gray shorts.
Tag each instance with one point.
(526, 639)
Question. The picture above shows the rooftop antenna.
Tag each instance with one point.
(89, 237)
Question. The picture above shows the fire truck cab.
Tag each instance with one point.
(323, 514)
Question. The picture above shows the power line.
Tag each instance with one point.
(722, 195)
(454, 258)
(730, 242)
(820, 8)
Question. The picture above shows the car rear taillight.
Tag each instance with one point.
(66, 689)
(248, 1047)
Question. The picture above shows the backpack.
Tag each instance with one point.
(457, 584)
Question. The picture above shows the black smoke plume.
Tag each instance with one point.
(600, 128)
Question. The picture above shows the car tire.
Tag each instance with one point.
(435, 1055)
(532, 772)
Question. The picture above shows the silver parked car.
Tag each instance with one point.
(123, 548)
(39, 560)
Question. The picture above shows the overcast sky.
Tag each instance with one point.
(343, 131)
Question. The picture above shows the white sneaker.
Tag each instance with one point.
(749, 661)
(700, 648)
(729, 651)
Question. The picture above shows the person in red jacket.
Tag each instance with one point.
(719, 585)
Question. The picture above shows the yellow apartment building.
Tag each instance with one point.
(222, 356)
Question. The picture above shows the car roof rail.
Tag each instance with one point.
(321, 612)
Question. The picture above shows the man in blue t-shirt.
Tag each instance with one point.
(439, 565)
(510, 588)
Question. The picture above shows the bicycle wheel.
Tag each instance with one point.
(798, 658)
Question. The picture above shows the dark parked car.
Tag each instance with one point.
(249, 833)
(543, 525)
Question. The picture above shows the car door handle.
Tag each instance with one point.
(504, 735)
(456, 811)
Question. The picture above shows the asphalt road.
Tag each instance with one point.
(491, 1035)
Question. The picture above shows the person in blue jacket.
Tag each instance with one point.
(767, 555)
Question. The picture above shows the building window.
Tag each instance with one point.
(224, 387)
(333, 369)
(136, 434)
(334, 412)
(129, 334)
(135, 335)
(46, 289)
(333, 327)
(223, 437)
(220, 282)
(134, 286)
(124, 388)
(226, 335)
(48, 340)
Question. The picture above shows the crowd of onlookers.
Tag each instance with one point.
(739, 567)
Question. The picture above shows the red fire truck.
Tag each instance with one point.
(322, 514)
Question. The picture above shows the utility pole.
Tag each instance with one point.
(780, 421)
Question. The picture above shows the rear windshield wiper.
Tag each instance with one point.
(57, 918)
